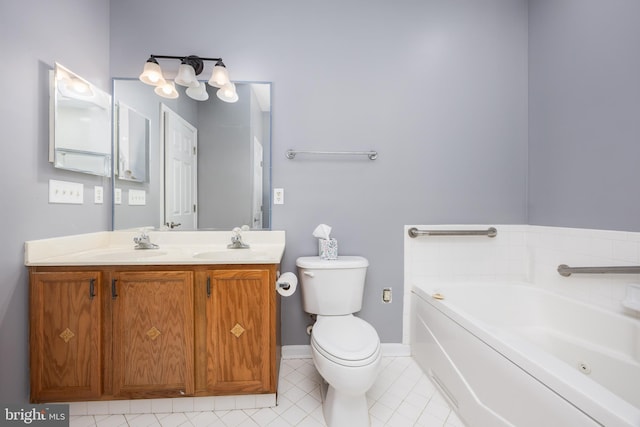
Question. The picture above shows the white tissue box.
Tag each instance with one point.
(328, 248)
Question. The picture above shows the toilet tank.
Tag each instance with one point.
(332, 287)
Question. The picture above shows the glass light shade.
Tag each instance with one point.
(198, 93)
(219, 76)
(152, 74)
(81, 88)
(167, 90)
(228, 93)
(187, 76)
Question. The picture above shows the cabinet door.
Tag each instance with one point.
(153, 334)
(65, 344)
(239, 337)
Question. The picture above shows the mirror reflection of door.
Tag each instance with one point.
(257, 184)
(180, 176)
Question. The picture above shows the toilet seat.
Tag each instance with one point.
(346, 340)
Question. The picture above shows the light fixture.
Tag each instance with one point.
(152, 74)
(220, 75)
(167, 90)
(187, 74)
(227, 93)
(199, 93)
(190, 67)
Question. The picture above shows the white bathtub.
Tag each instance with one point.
(514, 355)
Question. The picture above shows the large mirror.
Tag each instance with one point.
(208, 162)
(80, 122)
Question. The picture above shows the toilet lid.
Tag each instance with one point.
(347, 340)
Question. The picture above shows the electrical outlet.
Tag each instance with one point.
(278, 196)
(117, 196)
(98, 195)
(386, 295)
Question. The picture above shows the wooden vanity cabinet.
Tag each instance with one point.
(153, 333)
(123, 332)
(65, 335)
(239, 320)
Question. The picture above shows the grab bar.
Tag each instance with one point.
(566, 271)
(291, 154)
(490, 232)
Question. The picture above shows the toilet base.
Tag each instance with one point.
(340, 409)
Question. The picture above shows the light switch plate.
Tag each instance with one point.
(137, 198)
(66, 192)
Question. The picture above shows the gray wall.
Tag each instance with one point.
(34, 34)
(584, 120)
(439, 88)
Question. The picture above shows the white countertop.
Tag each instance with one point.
(175, 247)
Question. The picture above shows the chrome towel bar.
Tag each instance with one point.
(566, 271)
(490, 232)
(291, 154)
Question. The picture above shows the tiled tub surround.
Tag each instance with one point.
(524, 253)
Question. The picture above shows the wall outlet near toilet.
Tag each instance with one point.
(386, 295)
(278, 196)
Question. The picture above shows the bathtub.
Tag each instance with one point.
(514, 355)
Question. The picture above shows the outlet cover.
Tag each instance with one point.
(98, 195)
(278, 196)
(117, 196)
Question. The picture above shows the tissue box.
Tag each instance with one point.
(328, 248)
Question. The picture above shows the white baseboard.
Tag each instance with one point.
(396, 350)
(304, 351)
(296, 351)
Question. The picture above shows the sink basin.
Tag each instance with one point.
(231, 255)
(124, 254)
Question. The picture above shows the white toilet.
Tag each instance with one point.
(345, 349)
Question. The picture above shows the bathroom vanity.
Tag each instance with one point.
(191, 318)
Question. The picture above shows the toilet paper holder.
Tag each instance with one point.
(284, 285)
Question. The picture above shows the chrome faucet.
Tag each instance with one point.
(144, 242)
(236, 240)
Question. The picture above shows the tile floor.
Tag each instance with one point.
(401, 397)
